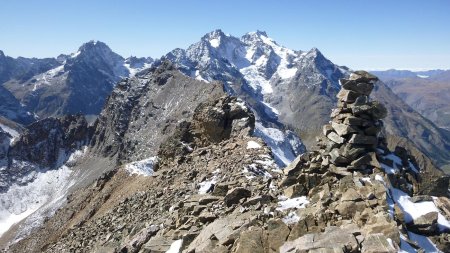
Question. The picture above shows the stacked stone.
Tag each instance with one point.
(354, 129)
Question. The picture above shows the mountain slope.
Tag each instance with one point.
(426, 92)
(80, 84)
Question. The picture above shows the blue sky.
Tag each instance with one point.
(360, 34)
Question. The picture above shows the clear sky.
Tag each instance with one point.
(404, 34)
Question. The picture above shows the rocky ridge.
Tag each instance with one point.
(218, 189)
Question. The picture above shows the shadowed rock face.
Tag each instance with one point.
(44, 144)
(144, 110)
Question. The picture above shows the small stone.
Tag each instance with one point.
(295, 190)
(421, 198)
(360, 87)
(343, 129)
(337, 158)
(375, 243)
(363, 139)
(351, 195)
(339, 170)
(354, 121)
(335, 138)
(363, 76)
(367, 159)
(327, 129)
(347, 95)
(425, 224)
(220, 190)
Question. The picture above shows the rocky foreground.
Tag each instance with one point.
(216, 188)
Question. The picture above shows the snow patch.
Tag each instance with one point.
(286, 73)
(413, 211)
(253, 145)
(256, 80)
(291, 218)
(255, 170)
(14, 134)
(142, 167)
(284, 145)
(175, 246)
(205, 186)
(39, 198)
(214, 42)
(134, 71)
(423, 76)
(199, 77)
(21, 201)
(286, 203)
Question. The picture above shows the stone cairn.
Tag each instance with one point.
(354, 130)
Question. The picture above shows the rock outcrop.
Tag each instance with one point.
(144, 110)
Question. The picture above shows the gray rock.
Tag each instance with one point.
(343, 129)
(421, 198)
(332, 238)
(425, 224)
(335, 138)
(360, 87)
(363, 139)
(377, 243)
(337, 158)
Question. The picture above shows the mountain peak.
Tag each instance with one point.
(93, 44)
(258, 37)
(214, 38)
(259, 33)
(216, 34)
(2, 54)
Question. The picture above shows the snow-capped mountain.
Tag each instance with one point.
(135, 64)
(79, 83)
(19, 69)
(292, 89)
(268, 76)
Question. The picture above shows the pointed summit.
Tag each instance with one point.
(214, 38)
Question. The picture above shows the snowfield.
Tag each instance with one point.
(39, 198)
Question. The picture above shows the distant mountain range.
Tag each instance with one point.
(290, 91)
(68, 84)
(428, 92)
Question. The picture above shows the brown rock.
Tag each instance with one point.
(235, 195)
(250, 241)
(351, 195)
(277, 233)
(295, 190)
